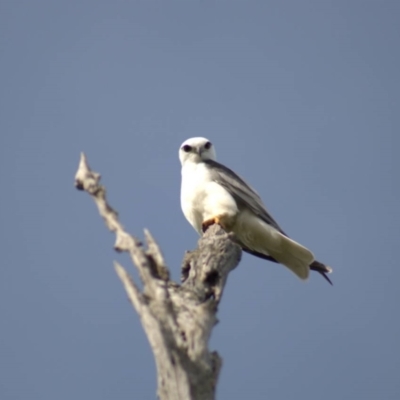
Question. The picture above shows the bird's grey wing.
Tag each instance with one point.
(243, 194)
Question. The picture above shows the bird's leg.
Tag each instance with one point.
(221, 220)
(208, 222)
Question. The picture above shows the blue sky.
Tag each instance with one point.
(300, 98)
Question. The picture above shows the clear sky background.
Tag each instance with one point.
(301, 98)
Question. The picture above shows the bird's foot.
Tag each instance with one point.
(211, 221)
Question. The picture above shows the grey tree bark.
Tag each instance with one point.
(177, 318)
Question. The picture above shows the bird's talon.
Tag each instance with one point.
(206, 224)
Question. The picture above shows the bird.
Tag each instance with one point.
(211, 193)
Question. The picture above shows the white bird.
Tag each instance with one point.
(213, 194)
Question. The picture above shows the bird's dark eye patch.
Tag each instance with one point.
(187, 148)
(207, 145)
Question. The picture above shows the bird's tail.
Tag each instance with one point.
(322, 269)
(293, 255)
(263, 240)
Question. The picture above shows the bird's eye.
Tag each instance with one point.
(187, 148)
(207, 145)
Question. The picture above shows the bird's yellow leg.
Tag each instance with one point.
(208, 222)
(222, 220)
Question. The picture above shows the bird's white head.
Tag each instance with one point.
(196, 149)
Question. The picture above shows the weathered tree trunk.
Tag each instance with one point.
(177, 319)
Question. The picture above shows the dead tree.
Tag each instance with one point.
(177, 319)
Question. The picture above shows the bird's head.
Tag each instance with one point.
(196, 149)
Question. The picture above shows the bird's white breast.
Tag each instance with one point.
(201, 197)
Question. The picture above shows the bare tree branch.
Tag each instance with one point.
(177, 319)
